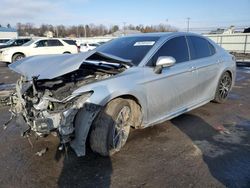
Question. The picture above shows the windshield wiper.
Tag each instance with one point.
(113, 58)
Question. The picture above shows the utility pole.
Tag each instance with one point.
(85, 32)
(56, 31)
(77, 31)
(124, 23)
(166, 28)
(188, 24)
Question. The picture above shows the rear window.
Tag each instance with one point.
(199, 47)
(70, 42)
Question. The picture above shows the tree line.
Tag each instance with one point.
(88, 30)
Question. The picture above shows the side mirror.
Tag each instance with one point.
(164, 61)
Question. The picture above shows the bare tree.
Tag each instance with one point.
(90, 30)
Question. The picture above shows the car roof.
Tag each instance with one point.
(164, 34)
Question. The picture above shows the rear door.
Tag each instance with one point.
(55, 47)
(205, 63)
(171, 91)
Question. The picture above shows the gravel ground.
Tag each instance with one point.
(207, 147)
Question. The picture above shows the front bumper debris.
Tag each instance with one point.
(71, 118)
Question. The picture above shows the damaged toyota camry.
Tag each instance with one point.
(134, 81)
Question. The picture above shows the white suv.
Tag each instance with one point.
(37, 47)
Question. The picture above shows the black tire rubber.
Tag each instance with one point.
(102, 132)
(66, 53)
(219, 97)
(17, 56)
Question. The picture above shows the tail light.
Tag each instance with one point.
(78, 48)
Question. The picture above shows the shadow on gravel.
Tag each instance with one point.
(227, 154)
(89, 171)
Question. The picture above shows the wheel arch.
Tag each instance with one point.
(66, 52)
(16, 54)
(137, 106)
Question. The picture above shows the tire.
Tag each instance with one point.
(66, 53)
(223, 88)
(111, 128)
(17, 57)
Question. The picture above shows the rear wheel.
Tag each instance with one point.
(17, 57)
(223, 88)
(111, 129)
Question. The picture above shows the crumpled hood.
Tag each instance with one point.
(49, 66)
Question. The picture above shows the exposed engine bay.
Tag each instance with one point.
(49, 105)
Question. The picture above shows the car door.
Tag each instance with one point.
(171, 91)
(205, 63)
(40, 48)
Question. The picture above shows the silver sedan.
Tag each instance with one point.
(135, 81)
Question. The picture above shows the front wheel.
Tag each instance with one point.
(223, 88)
(111, 128)
(17, 57)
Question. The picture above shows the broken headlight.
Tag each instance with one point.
(72, 101)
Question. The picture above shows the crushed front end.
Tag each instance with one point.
(45, 106)
(42, 112)
(46, 100)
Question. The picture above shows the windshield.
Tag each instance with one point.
(28, 43)
(131, 48)
(10, 42)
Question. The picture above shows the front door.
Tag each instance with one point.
(173, 90)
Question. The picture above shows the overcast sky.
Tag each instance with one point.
(203, 13)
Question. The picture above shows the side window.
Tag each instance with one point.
(211, 48)
(176, 47)
(198, 47)
(42, 43)
(54, 43)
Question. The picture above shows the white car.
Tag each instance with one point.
(37, 47)
(88, 46)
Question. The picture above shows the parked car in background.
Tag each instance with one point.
(3, 41)
(37, 47)
(88, 46)
(134, 81)
(101, 43)
(15, 42)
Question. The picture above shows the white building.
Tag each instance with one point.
(8, 33)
